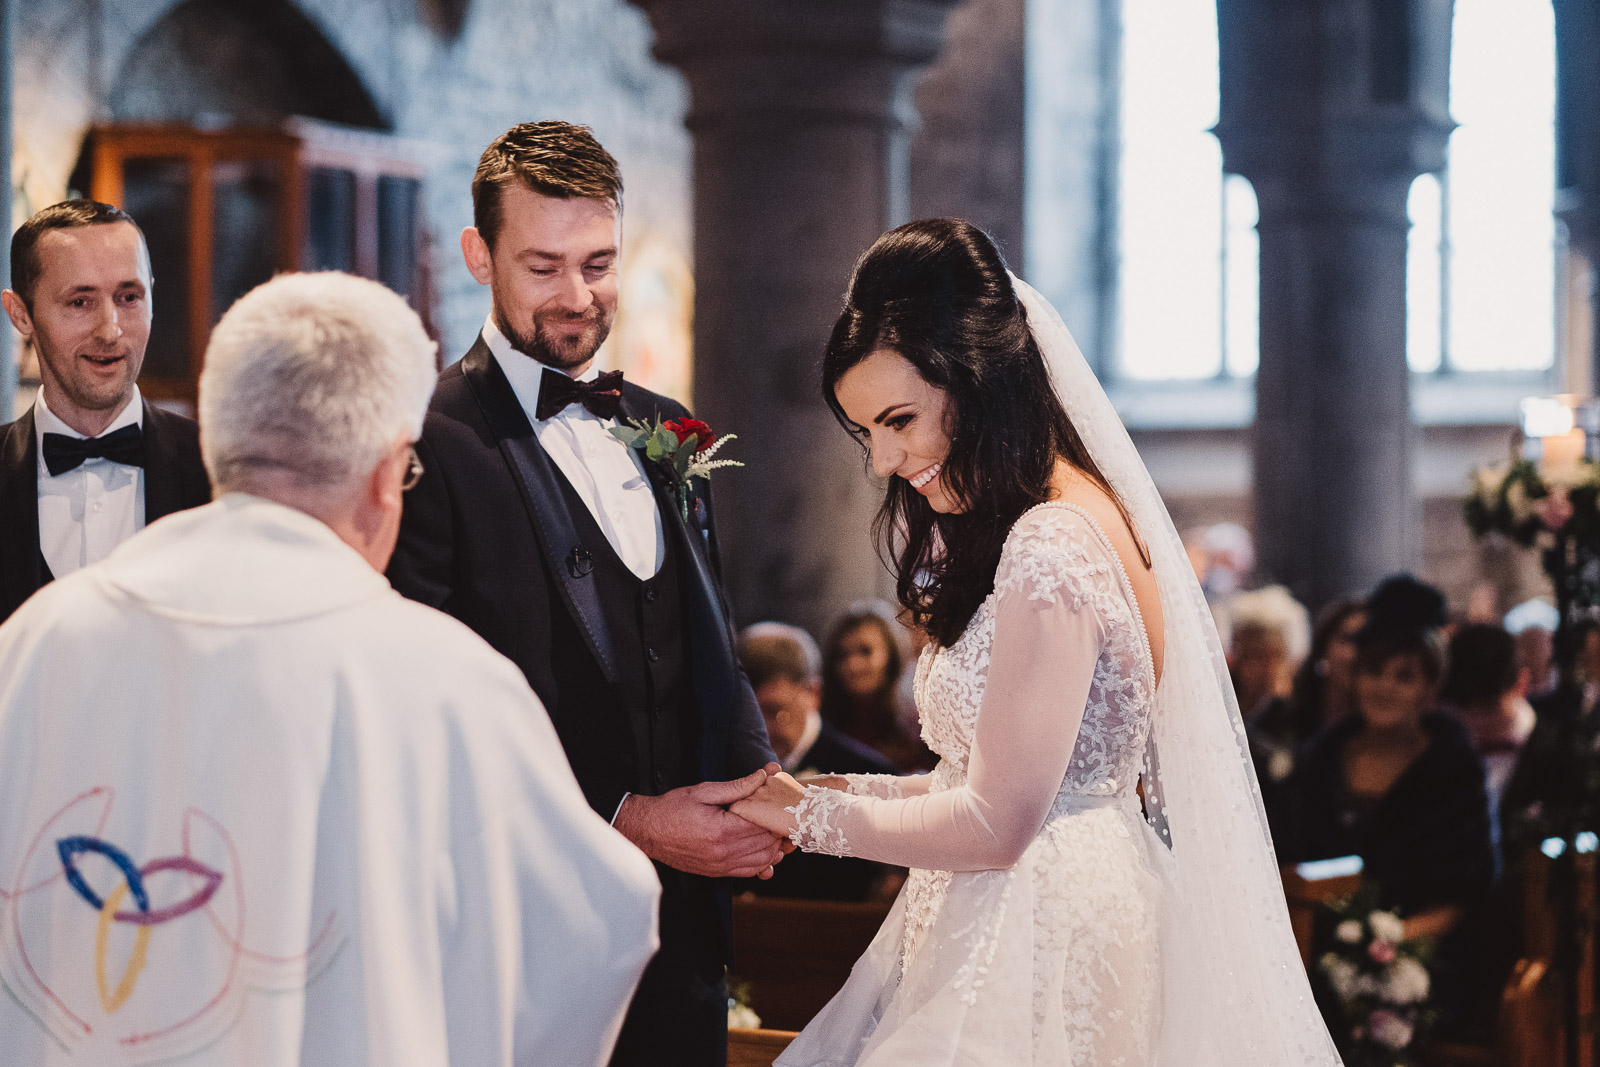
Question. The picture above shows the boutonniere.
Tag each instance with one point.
(680, 449)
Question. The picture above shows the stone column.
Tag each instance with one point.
(1578, 149)
(801, 115)
(1331, 111)
(967, 155)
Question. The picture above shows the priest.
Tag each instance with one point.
(255, 807)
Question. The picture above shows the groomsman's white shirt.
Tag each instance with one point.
(89, 510)
(607, 474)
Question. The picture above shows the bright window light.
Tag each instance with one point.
(1500, 187)
(1170, 199)
(1425, 274)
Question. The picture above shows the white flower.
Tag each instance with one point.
(1280, 765)
(1342, 975)
(741, 1017)
(1349, 931)
(1407, 982)
(1389, 1030)
(1386, 926)
(1486, 483)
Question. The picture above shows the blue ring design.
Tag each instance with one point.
(69, 848)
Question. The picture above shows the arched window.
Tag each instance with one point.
(1188, 255)
(1481, 278)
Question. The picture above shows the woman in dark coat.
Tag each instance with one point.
(1399, 784)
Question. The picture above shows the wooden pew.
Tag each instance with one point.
(796, 954)
(1532, 1026)
(1307, 885)
(756, 1048)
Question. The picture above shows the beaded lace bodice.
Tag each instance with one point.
(1054, 551)
(1071, 725)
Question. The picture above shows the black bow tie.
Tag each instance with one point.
(602, 397)
(62, 453)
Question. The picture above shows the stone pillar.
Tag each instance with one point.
(801, 115)
(967, 157)
(1578, 151)
(1331, 111)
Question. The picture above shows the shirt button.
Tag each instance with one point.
(651, 654)
(96, 506)
(649, 594)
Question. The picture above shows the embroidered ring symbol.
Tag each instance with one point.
(70, 848)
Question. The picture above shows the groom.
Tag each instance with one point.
(551, 539)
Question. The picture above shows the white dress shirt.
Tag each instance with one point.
(89, 510)
(607, 474)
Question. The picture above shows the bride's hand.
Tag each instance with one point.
(766, 807)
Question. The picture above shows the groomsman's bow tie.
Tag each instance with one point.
(62, 453)
(602, 397)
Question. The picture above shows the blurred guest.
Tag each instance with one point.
(1551, 764)
(1271, 632)
(1533, 624)
(785, 670)
(1398, 783)
(1485, 689)
(1321, 690)
(861, 669)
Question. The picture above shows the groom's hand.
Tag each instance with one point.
(692, 830)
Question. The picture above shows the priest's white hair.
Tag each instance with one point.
(312, 377)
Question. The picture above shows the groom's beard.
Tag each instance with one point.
(562, 351)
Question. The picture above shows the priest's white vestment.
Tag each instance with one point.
(257, 809)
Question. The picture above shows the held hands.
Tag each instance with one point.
(692, 829)
(767, 807)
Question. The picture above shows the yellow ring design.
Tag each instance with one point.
(113, 1000)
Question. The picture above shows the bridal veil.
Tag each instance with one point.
(1235, 990)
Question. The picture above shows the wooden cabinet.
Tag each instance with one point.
(225, 210)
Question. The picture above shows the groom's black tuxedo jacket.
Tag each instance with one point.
(495, 535)
(488, 536)
(174, 479)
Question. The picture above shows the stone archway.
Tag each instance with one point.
(215, 62)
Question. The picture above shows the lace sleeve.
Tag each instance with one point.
(885, 786)
(1048, 634)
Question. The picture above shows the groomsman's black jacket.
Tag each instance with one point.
(174, 480)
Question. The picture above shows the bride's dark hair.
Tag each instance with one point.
(936, 291)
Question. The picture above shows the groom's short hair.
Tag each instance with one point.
(553, 158)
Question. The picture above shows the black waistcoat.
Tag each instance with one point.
(648, 623)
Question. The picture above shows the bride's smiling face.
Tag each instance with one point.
(905, 420)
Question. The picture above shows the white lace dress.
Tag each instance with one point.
(1029, 930)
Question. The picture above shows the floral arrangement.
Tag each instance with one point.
(740, 1015)
(1381, 984)
(1532, 506)
(681, 449)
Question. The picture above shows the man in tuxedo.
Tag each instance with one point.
(91, 463)
(566, 552)
(785, 669)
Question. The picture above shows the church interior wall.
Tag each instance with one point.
(448, 89)
(1017, 130)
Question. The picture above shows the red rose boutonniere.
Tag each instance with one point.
(680, 448)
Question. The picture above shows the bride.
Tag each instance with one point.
(1092, 884)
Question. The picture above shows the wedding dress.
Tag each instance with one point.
(1053, 914)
